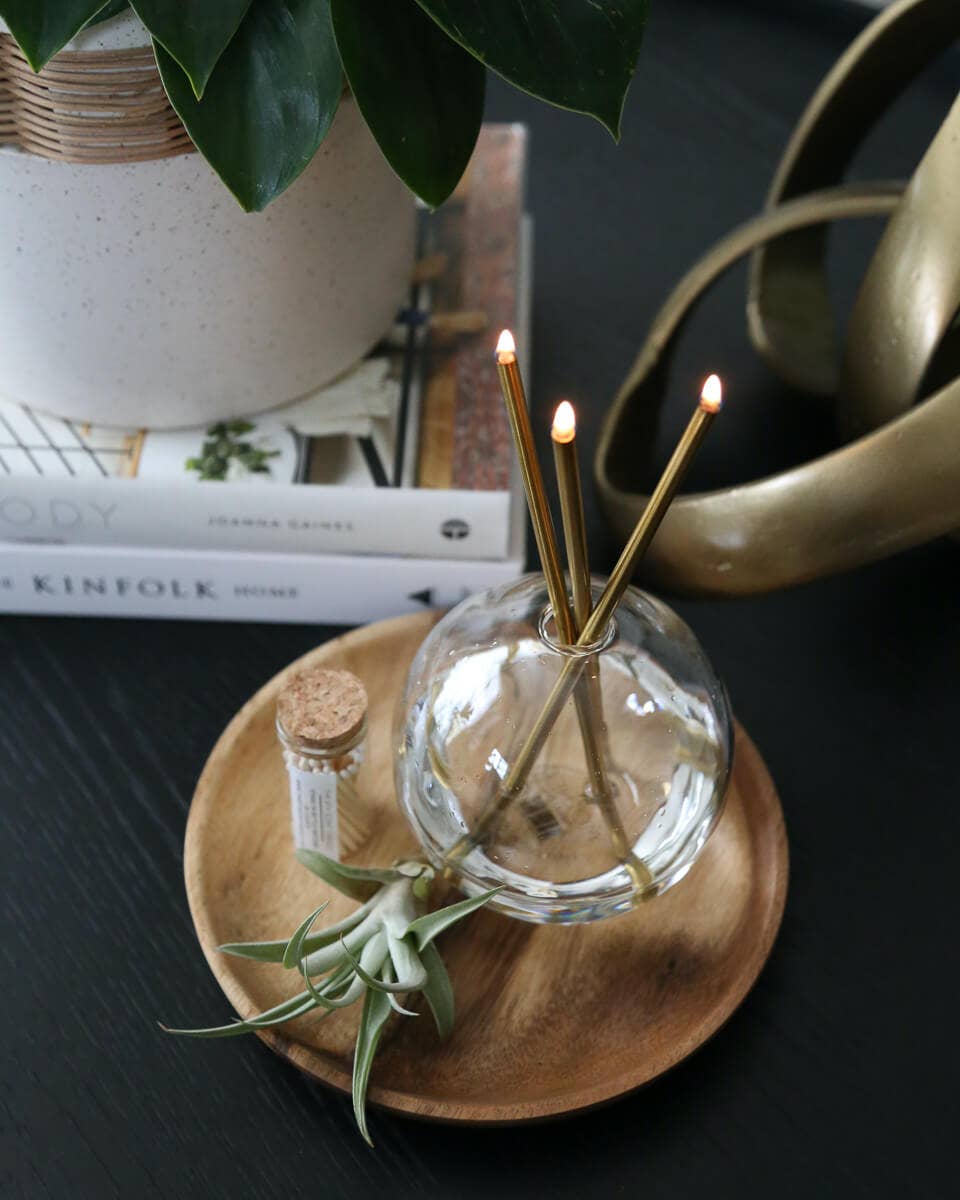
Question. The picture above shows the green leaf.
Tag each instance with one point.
(273, 951)
(406, 962)
(326, 997)
(419, 92)
(578, 54)
(293, 951)
(382, 985)
(376, 1010)
(425, 929)
(334, 987)
(389, 977)
(194, 32)
(371, 960)
(296, 1006)
(438, 990)
(269, 102)
(357, 882)
(398, 1007)
(43, 27)
(328, 957)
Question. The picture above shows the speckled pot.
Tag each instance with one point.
(141, 295)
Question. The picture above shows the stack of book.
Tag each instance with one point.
(391, 489)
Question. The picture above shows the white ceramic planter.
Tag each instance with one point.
(141, 295)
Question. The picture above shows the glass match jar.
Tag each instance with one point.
(322, 727)
(606, 803)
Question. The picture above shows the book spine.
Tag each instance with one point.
(275, 518)
(221, 586)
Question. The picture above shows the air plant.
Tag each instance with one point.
(384, 949)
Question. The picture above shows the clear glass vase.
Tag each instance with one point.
(614, 803)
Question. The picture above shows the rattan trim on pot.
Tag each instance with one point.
(96, 106)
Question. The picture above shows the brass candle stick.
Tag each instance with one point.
(710, 403)
(563, 434)
(515, 400)
(587, 714)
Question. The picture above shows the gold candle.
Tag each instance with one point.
(516, 403)
(711, 399)
(588, 696)
(563, 434)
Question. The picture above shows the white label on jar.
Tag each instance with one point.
(313, 811)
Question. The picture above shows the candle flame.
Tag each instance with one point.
(506, 347)
(711, 398)
(564, 423)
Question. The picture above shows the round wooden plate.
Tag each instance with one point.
(550, 1019)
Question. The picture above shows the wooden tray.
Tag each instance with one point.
(550, 1019)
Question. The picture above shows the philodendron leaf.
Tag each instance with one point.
(42, 27)
(424, 929)
(111, 10)
(194, 32)
(269, 102)
(360, 883)
(438, 990)
(419, 92)
(578, 54)
(376, 1010)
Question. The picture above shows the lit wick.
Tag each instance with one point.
(506, 348)
(564, 436)
(711, 398)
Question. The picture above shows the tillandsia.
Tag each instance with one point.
(382, 950)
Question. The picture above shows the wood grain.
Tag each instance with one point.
(835, 1080)
(551, 1019)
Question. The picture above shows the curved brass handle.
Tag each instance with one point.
(910, 296)
(828, 515)
(789, 313)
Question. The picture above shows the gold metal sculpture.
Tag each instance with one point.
(899, 484)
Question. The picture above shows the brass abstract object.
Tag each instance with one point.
(789, 313)
(910, 297)
(898, 486)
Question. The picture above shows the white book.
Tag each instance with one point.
(433, 522)
(329, 589)
(331, 473)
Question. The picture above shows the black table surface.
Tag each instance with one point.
(836, 1076)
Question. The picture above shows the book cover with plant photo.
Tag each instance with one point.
(405, 453)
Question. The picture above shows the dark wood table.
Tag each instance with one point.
(837, 1076)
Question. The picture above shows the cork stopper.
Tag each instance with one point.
(324, 709)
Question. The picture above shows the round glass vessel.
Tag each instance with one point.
(581, 781)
